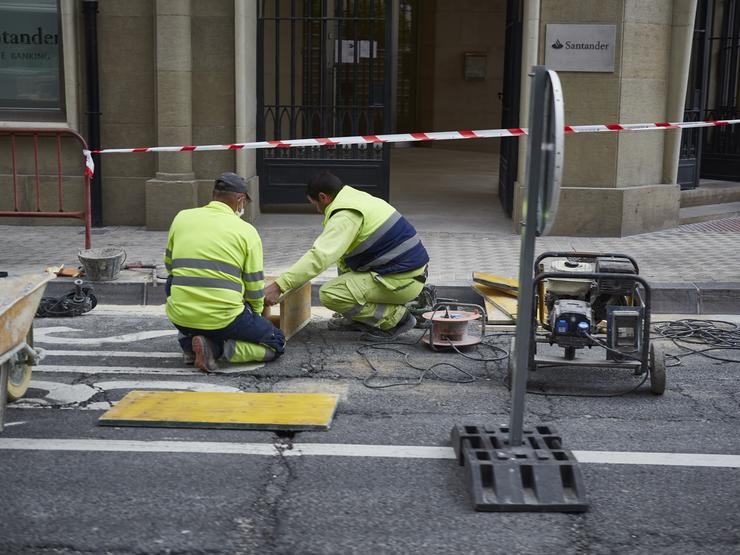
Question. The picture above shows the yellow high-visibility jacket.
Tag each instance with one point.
(215, 261)
(358, 225)
(386, 243)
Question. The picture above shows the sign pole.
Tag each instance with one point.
(505, 472)
(544, 169)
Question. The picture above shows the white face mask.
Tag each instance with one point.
(240, 213)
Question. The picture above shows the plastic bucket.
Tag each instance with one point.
(102, 264)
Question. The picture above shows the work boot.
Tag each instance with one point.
(204, 358)
(345, 324)
(188, 358)
(407, 323)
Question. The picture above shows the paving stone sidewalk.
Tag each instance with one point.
(696, 255)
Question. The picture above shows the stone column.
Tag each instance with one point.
(245, 61)
(682, 39)
(174, 187)
(616, 184)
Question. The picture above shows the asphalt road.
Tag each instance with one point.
(382, 479)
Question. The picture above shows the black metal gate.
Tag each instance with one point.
(713, 93)
(323, 70)
(509, 153)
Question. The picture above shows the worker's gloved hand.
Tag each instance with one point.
(272, 294)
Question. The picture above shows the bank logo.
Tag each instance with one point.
(557, 45)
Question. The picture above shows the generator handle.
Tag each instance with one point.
(603, 275)
(594, 255)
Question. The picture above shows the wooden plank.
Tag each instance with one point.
(505, 304)
(237, 410)
(494, 315)
(294, 310)
(503, 284)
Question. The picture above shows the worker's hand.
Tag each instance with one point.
(272, 294)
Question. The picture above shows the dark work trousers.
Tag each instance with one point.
(248, 326)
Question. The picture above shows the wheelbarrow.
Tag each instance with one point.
(19, 298)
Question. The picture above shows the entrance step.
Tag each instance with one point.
(703, 213)
(711, 193)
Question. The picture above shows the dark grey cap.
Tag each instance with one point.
(229, 182)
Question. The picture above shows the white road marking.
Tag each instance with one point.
(71, 395)
(190, 386)
(44, 336)
(158, 311)
(348, 450)
(141, 354)
(127, 310)
(60, 393)
(16, 423)
(82, 369)
(666, 459)
(298, 385)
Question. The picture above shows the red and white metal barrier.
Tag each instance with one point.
(32, 205)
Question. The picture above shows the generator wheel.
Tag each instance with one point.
(510, 363)
(657, 369)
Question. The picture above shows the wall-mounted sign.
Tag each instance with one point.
(580, 47)
(475, 66)
(30, 56)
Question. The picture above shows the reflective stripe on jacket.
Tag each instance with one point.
(215, 260)
(386, 243)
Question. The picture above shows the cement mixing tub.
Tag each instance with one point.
(19, 299)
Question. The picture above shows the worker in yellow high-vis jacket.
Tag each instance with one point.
(215, 284)
(381, 261)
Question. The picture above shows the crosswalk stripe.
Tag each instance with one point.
(142, 354)
(177, 371)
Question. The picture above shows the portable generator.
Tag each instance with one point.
(572, 308)
(592, 300)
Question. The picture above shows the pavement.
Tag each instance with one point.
(450, 197)
(383, 479)
(660, 471)
(692, 269)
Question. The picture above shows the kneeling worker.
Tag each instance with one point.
(215, 285)
(382, 263)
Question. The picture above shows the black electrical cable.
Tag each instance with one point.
(615, 394)
(73, 303)
(429, 370)
(600, 343)
(717, 335)
(626, 354)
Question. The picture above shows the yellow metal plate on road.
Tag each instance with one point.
(237, 410)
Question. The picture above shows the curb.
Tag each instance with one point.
(668, 297)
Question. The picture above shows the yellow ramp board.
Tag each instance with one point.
(503, 303)
(506, 285)
(237, 410)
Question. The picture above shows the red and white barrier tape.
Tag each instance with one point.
(406, 138)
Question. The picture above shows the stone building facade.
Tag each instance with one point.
(188, 72)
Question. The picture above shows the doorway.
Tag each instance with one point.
(324, 70)
(713, 93)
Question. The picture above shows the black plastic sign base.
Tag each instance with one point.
(538, 475)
